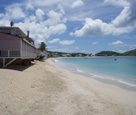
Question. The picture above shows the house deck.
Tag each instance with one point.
(14, 44)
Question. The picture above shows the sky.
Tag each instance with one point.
(87, 26)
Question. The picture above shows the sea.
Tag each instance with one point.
(119, 71)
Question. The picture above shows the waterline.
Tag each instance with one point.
(105, 69)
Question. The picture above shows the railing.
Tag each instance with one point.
(28, 54)
(9, 53)
(15, 53)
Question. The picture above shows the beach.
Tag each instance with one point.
(46, 89)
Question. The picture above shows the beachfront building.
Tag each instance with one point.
(16, 46)
(66, 55)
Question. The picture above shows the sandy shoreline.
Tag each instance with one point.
(45, 89)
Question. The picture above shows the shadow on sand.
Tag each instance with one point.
(21, 67)
(18, 67)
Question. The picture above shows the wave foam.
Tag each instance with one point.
(55, 60)
(111, 79)
(80, 71)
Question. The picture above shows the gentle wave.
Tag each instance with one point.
(110, 80)
(104, 78)
(54, 60)
(117, 82)
(79, 70)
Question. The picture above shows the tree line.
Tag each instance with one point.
(112, 53)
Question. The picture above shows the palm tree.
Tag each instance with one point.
(42, 46)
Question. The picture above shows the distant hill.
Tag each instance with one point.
(130, 53)
(112, 53)
(108, 53)
(60, 54)
(102, 53)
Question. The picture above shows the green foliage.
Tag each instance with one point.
(42, 46)
(108, 53)
(59, 54)
(73, 55)
(130, 53)
(111, 53)
(53, 53)
(102, 53)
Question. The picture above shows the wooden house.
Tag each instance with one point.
(15, 46)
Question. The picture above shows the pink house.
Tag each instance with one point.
(15, 46)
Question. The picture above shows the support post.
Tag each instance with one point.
(21, 48)
(8, 54)
(3, 62)
(5, 65)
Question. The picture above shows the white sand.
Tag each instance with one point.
(45, 89)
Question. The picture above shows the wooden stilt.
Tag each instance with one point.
(5, 65)
(3, 62)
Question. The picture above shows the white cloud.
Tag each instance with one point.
(67, 42)
(117, 2)
(72, 16)
(39, 14)
(51, 20)
(77, 3)
(63, 42)
(64, 49)
(40, 31)
(124, 19)
(29, 6)
(83, 51)
(13, 12)
(121, 51)
(96, 42)
(4, 22)
(96, 27)
(50, 3)
(41, 3)
(1, 15)
(76, 48)
(40, 28)
(43, 33)
(129, 46)
(54, 40)
(116, 43)
(71, 33)
(61, 9)
(125, 22)
(30, 19)
(40, 22)
(55, 17)
(53, 14)
(57, 29)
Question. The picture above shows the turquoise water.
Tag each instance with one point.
(121, 72)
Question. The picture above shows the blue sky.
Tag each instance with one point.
(87, 26)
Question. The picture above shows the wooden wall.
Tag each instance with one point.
(9, 42)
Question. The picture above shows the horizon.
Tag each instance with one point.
(72, 26)
(95, 53)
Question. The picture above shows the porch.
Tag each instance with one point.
(9, 56)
